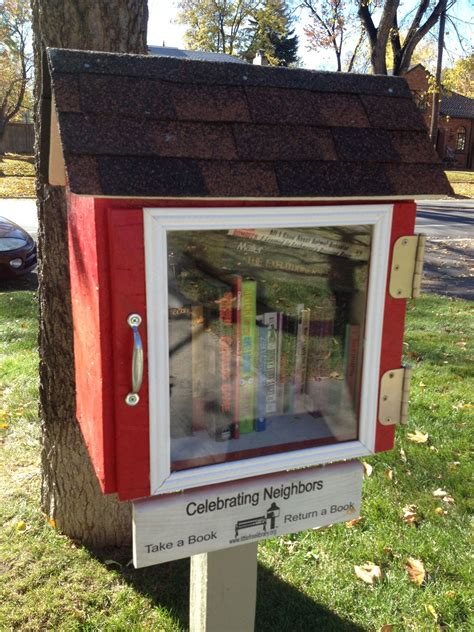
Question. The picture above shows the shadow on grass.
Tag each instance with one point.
(280, 606)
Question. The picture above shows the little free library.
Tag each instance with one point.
(241, 252)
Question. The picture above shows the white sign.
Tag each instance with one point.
(208, 519)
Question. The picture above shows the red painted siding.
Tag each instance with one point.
(92, 343)
(403, 223)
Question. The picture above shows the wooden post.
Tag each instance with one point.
(224, 590)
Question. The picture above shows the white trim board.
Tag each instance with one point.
(157, 222)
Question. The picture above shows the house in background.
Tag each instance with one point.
(455, 140)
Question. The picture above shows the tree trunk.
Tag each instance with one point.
(70, 492)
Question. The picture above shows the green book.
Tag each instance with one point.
(248, 332)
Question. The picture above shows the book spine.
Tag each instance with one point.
(321, 331)
(247, 352)
(180, 367)
(302, 337)
(287, 363)
(308, 241)
(270, 319)
(237, 321)
(260, 421)
(225, 382)
(198, 368)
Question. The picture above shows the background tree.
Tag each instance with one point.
(70, 492)
(240, 27)
(387, 31)
(460, 78)
(328, 25)
(15, 62)
(272, 34)
(217, 26)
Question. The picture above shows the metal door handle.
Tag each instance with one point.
(132, 399)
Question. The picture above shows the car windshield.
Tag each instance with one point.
(11, 243)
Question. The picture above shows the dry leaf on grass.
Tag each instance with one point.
(4, 426)
(21, 525)
(432, 612)
(439, 493)
(52, 523)
(409, 515)
(352, 523)
(368, 573)
(367, 469)
(439, 511)
(387, 628)
(403, 455)
(418, 436)
(389, 474)
(416, 571)
(449, 500)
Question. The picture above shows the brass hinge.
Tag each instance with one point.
(407, 266)
(394, 394)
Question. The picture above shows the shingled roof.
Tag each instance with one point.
(456, 105)
(142, 126)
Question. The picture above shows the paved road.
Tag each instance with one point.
(446, 222)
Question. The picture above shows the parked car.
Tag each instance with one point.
(17, 250)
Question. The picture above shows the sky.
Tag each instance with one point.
(162, 30)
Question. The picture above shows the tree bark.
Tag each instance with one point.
(70, 492)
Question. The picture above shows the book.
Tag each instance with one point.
(320, 347)
(272, 322)
(260, 417)
(198, 366)
(247, 354)
(180, 363)
(321, 240)
(301, 359)
(237, 320)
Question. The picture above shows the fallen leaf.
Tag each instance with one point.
(367, 469)
(439, 493)
(388, 627)
(21, 525)
(389, 474)
(4, 426)
(454, 464)
(450, 593)
(433, 449)
(440, 511)
(368, 572)
(432, 612)
(352, 523)
(52, 523)
(449, 500)
(409, 515)
(403, 455)
(422, 384)
(416, 571)
(418, 436)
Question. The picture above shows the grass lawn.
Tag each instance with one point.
(462, 183)
(17, 176)
(306, 581)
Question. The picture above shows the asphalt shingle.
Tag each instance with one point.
(159, 126)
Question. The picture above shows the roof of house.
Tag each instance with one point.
(456, 105)
(142, 126)
(169, 51)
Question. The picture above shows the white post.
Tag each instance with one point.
(223, 590)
